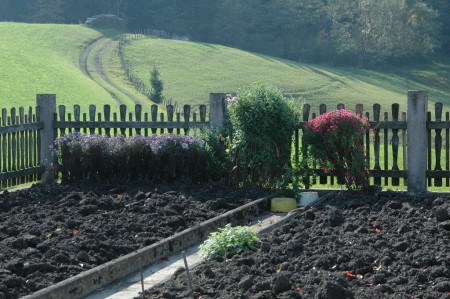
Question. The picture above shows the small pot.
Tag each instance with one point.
(283, 204)
(308, 198)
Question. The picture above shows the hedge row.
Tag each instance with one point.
(166, 157)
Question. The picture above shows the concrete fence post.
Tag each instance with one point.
(217, 109)
(417, 140)
(47, 108)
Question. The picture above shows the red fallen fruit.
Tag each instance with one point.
(349, 274)
(76, 232)
(378, 230)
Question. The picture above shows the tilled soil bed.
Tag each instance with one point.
(352, 246)
(50, 233)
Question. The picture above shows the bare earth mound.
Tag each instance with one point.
(50, 233)
(353, 246)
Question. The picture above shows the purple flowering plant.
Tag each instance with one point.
(157, 157)
(336, 140)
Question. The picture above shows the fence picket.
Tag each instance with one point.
(187, 116)
(14, 145)
(76, 115)
(26, 148)
(323, 179)
(367, 134)
(170, 111)
(8, 123)
(447, 149)
(359, 108)
(22, 143)
(107, 114)
(146, 120)
(62, 117)
(429, 151)
(69, 119)
(115, 120)
(123, 114)
(405, 155)
(37, 140)
(138, 112)
(178, 122)
(130, 118)
(92, 111)
(376, 143)
(4, 151)
(438, 143)
(306, 109)
(314, 181)
(203, 113)
(154, 112)
(161, 117)
(395, 143)
(386, 149)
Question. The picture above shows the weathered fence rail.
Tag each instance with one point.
(129, 123)
(386, 145)
(417, 160)
(19, 140)
(25, 139)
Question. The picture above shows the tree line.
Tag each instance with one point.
(357, 32)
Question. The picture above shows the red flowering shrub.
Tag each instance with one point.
(335, 140)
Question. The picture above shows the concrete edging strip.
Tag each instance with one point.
(98, 277)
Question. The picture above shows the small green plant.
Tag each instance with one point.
(228, 240)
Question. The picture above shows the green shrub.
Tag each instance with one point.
(216, 140)
(228, 240)
(263, 123)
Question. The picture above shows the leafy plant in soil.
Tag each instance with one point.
(228, 240)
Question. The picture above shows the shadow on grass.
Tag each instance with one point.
(113, 34)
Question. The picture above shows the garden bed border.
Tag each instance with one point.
(98, 277)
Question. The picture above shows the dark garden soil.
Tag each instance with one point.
(50, 233)
(353, 246)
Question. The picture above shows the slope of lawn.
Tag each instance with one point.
(191, 70)
(44, 58)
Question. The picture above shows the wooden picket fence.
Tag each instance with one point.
(129, 123)
(25, 138)
(19, 147)
(385, 142)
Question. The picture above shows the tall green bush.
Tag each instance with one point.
(263, 123)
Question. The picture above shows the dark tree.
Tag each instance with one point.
(157, 86)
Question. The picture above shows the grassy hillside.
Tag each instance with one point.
(191, 70)
(45, 58)
(41, 58)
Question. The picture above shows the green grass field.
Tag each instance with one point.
(44, 58)
(191, 70)
(41, 58)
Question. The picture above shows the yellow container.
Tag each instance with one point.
(283, 204)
